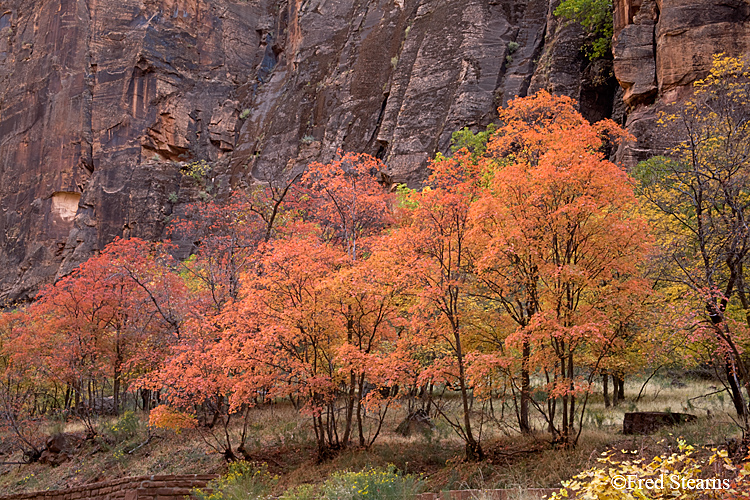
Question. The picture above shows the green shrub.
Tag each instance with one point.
(126, 427)
(374, 484)
(475, 143)
(301, 492)
(244, 481)
(595, 16)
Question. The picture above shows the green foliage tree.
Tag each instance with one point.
(476, 143)
(595, 17)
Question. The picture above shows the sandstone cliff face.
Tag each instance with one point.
(660, 48)
(104, 103)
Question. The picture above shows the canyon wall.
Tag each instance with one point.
(105, 104)
(660, 48)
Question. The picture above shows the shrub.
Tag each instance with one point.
(595, 17)
(679, 476)
(126, 427)
(374, 484)
(475, 143)
(244, 481)
(164, 417)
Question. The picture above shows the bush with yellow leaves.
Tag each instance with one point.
(682, 475)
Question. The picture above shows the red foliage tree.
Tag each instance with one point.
(109, 321)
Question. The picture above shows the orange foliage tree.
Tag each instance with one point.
(225, 236)
(280, 339)
(557, 245)
(345, 199)
(24, 388)
(305, 307)
(431, 248)
(512, 265)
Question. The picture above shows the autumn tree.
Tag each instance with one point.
(699, 201)
(96, 330)
(346, 200)
(432, 251)
(368, 300)
(26, 391)
(240, 261)
(281, 338)
(557, 245)
(225, 235)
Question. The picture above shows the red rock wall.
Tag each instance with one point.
(660, 48)
(109, 99)
(129, 488)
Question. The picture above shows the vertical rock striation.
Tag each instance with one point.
(104, 104)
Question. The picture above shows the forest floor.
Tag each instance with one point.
(285, 441)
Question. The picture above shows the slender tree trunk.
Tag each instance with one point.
(551, 408)
(68, 393)
(615, 391)
(571, 417)
(360, 425)
(564, 427)
(77, 395)
(734, 388)
(474, 451)
(352, 384)
(116, 380)
(605, 383)
(525, 388)
(350, 408)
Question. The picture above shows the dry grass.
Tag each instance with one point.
(280, 438)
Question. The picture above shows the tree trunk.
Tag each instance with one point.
(350, 408)
(352, 384)
(563, 376)
(360, 426)
(525, 389)
(572, 414)
(605, 383)
(734, 387)
(473, 448)
(615, 391)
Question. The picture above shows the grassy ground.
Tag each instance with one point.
(280, 438)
